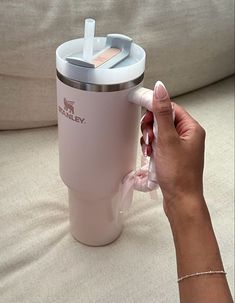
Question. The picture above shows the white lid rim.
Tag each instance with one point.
(98, 75)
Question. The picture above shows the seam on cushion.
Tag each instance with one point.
(26, 77)
(49, 124)
(204, 86)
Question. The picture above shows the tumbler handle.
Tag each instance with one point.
(144, 97)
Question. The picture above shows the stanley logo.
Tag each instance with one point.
(68, 112)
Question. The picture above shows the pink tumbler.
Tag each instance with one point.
(99, 101)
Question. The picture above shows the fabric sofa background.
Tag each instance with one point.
(189, 44)
(39, 259)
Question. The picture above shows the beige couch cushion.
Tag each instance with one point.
(189, 44)
(41, 262)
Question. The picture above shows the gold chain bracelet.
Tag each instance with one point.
(196, 274)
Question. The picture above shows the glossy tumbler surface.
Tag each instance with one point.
(98, 136)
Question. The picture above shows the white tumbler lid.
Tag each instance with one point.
(127, 70)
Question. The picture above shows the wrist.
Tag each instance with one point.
(187, 211)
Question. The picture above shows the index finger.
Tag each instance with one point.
(184, 122)
(147, 120)
(181, 114)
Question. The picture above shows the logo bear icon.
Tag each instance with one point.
(68, 106)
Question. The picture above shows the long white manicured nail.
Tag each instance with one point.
(146, 137)
(144, 150)
(160, 91)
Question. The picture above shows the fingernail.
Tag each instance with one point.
(173, 110)
(141, 120)
(146, 137)
(160, 91)
(145, 150)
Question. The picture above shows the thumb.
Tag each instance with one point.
(162, 110)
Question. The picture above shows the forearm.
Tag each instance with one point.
(197, 251)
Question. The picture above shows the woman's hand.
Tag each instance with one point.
(179, 152)
(179, 166)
